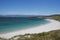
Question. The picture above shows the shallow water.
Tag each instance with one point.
(17, 23)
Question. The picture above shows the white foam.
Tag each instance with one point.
(53, 25)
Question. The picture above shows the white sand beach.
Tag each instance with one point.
(53, 25)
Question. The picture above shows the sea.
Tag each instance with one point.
(8, 24)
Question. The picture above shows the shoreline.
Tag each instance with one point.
(53, 25)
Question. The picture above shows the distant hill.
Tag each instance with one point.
(28, 15)
(55, 16)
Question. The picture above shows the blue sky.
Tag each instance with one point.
(29, 7)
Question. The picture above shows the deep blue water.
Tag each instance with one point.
(18, 23)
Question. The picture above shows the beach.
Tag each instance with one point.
(53, 25)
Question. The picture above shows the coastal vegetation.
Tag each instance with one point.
(52, 35)
(55, 17)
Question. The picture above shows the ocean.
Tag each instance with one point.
(8, 24)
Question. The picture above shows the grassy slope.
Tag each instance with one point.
(56, 17)
(52, 35)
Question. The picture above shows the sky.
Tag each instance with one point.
(29, 7)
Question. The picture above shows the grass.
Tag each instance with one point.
(52, 35)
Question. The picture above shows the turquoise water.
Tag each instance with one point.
(17, 23)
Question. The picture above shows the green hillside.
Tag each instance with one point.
(52, 35)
